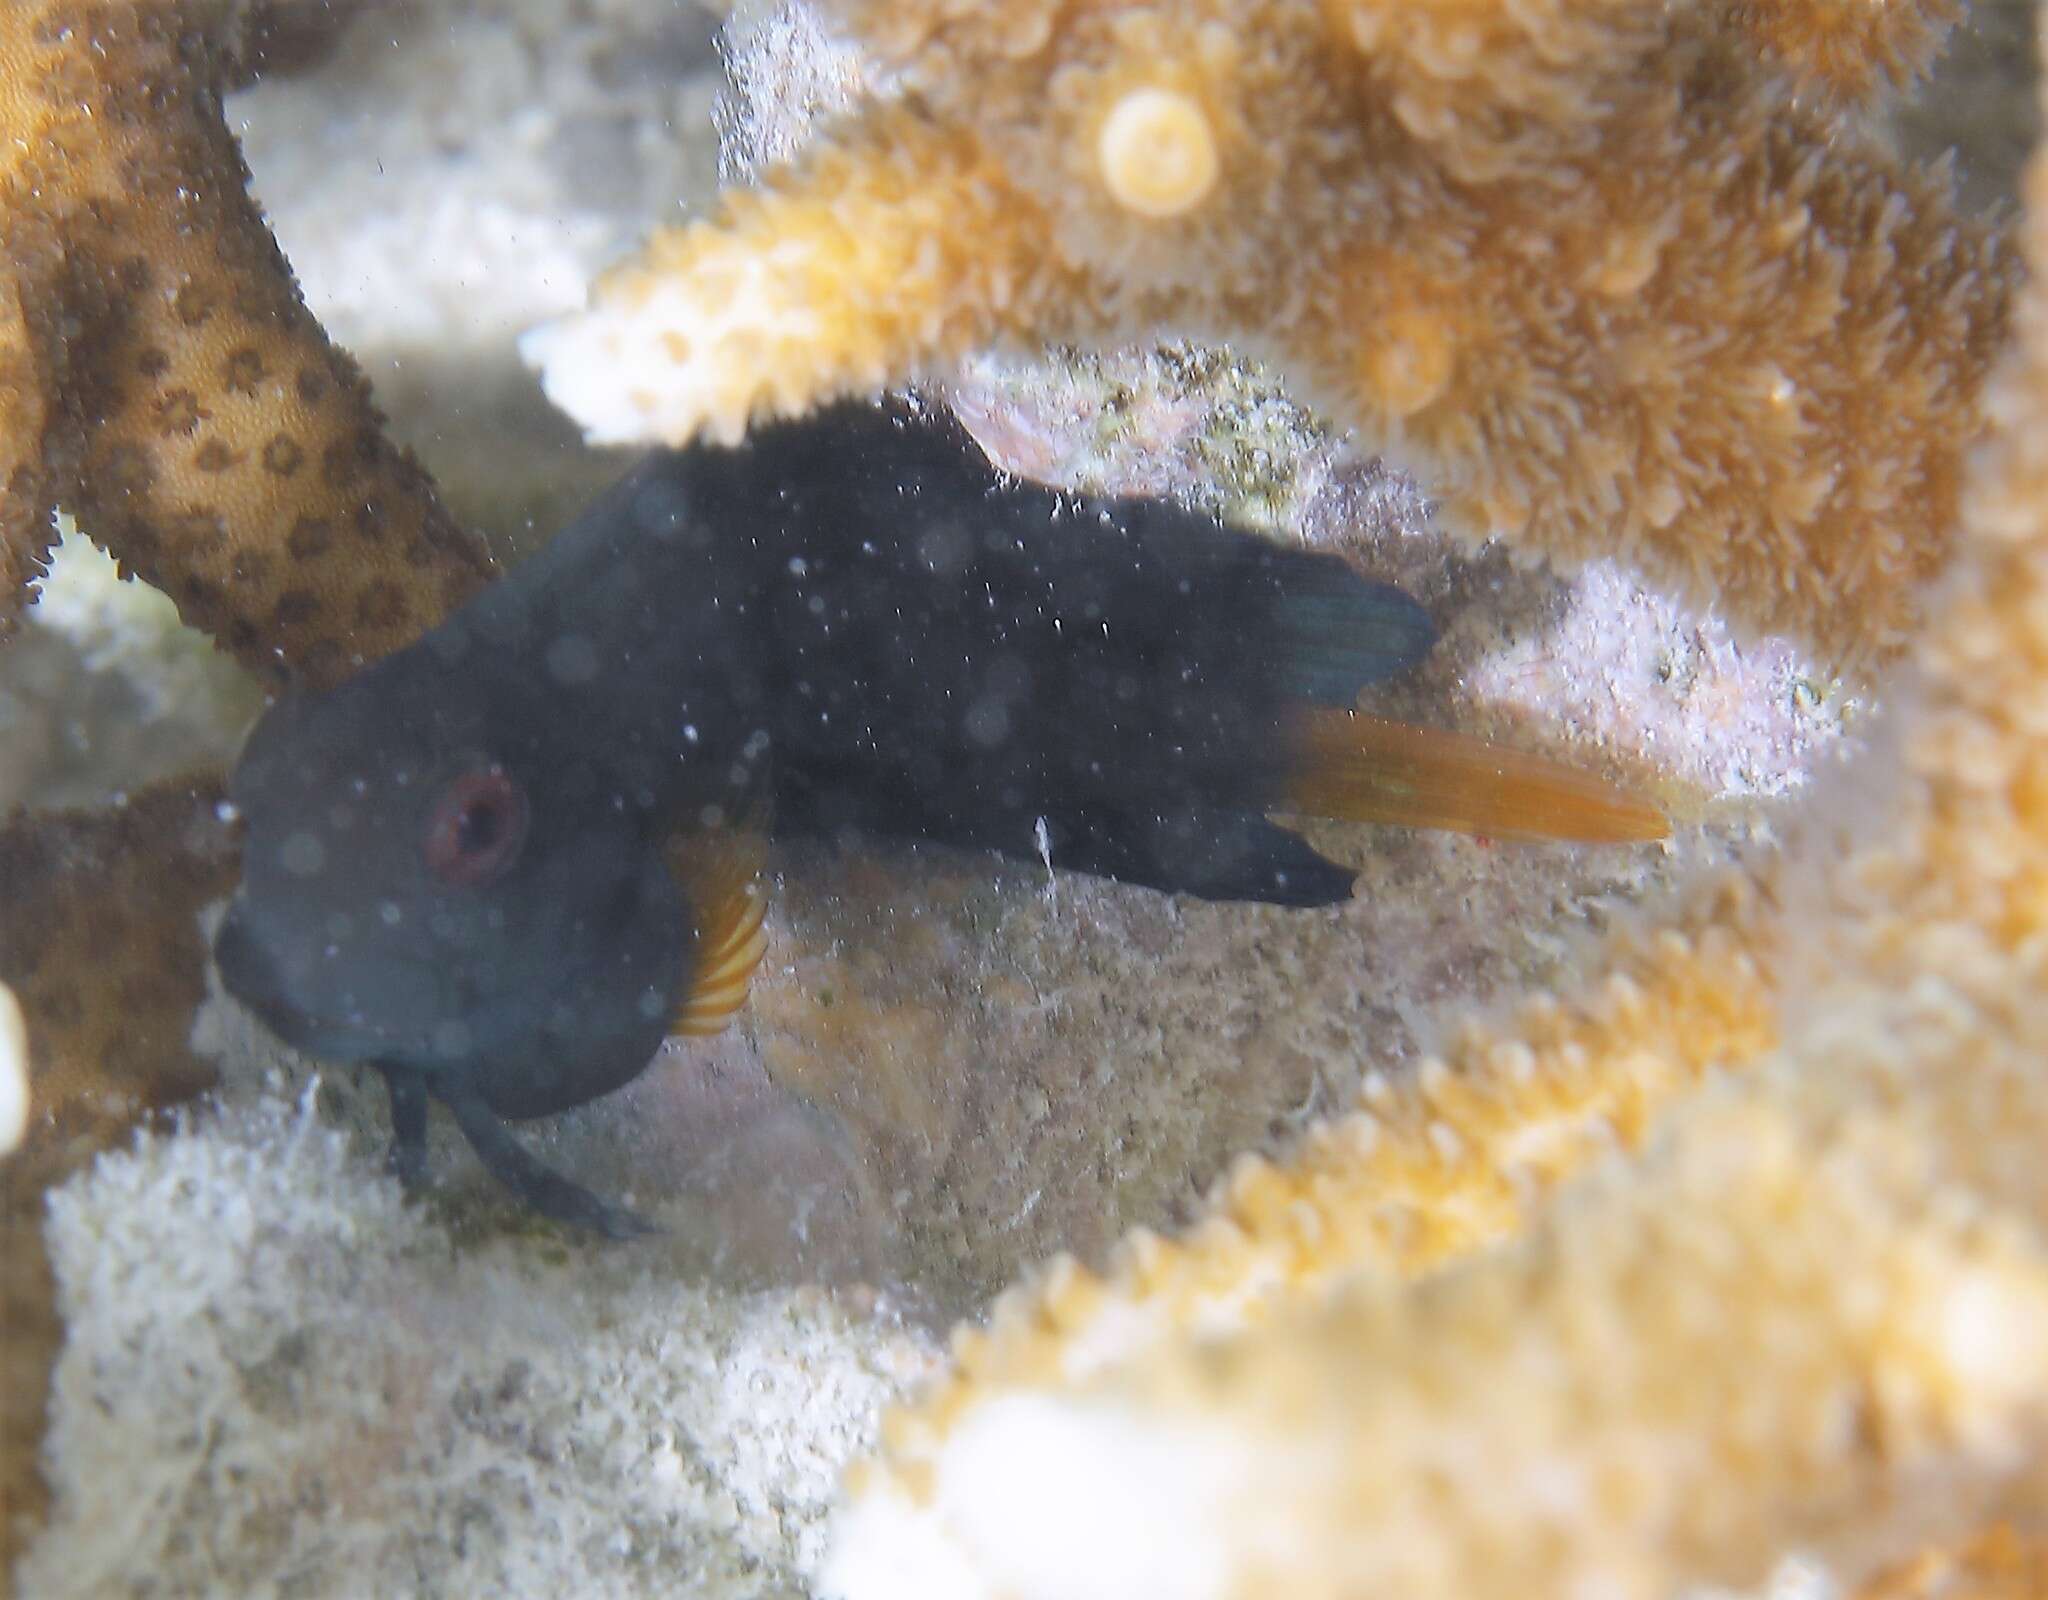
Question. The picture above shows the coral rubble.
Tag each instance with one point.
(159, 375)
(1595, 272)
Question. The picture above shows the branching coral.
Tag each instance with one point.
(1805, 1315)
(1592, 269)
(159, 375)
(160, 378)
(1752, 1334)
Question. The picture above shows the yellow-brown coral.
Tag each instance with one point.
(1594, 270)
(100, 939)
(160, 378)
(159, 375)
(1849, 49)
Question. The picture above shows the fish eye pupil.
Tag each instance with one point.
(481, 822)
(476, 827)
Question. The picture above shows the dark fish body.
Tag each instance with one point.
(455, 864)
(859, 609)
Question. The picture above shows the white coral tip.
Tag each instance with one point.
(13, 1071)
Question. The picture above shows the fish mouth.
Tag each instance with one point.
(250, 972)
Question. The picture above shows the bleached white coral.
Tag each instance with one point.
(134, 630)
(278, 1375)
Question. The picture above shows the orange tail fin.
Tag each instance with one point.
(1366, 769)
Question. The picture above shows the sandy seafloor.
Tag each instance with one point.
(279, 1379)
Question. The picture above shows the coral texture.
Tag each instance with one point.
(1802, 1315)
(104, 691)
(1999, 1564)
(1433, 1164)
(100, 944)
(159, 376)
(161, 379)
(1850, 49)
(280, 1378)
(1593, 271)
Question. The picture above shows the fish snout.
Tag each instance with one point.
(250, 972)
(335, 1002)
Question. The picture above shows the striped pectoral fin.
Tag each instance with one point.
(719, 874)
(1361, 768)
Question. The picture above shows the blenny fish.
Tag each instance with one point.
(503, 864)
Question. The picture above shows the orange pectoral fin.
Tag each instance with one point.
(719, 876)
(1361, 768)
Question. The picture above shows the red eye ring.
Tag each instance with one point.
(477, 827)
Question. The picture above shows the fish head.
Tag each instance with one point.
(430, 880)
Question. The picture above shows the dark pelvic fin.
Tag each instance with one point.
(1334, 632)
(408, 1159)
(513, 1165)
(1367, 769)
(1217, 855)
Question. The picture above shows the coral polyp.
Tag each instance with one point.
(1157, 153)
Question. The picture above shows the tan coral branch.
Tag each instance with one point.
(1806, 1316)
(160, 376)
(100, 941)
(1852, 50)
(1793, 1324)
(166, 382)
(1590, 269)
(831, 279)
